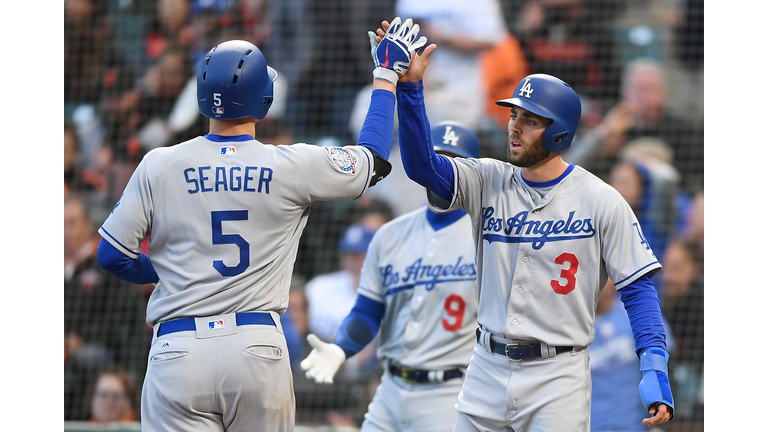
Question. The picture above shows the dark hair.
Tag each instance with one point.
(131, 392)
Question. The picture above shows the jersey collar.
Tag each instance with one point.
(228, 138)
(550, 182)
(439, 221)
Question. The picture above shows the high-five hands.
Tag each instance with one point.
(324, 360)
(393, 50)
(418, 63)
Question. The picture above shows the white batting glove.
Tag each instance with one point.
(392, 56)
(324, 360)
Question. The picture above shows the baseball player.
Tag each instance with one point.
(418, 286)
(548, 235)
(224, 213)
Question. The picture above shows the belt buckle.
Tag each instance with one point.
(404, 375)
(506, 352)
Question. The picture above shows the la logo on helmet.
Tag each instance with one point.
(526, 89)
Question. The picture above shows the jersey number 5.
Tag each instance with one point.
(454, 307)
(569, 274)
(217, 217)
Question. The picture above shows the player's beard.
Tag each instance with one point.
(528, 157)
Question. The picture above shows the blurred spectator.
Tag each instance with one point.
(649, 191)
(169, 25)
(114, 397)
(573, 40)
(94, 68)
(320, 100)
(642, 112)
(503, 66)
(160, 109)
(104, 317)
(463, 31)
(615, 367)
(683, 303)
(694, 220)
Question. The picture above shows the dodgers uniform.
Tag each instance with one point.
(224, 216)
(544, 252)
(426, 277)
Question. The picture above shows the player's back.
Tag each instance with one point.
(226, 215)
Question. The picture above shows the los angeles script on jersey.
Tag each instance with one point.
(234, 178)
(518, 229)
(426, 274)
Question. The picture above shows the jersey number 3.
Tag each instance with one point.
(219, 238)
(569, 273)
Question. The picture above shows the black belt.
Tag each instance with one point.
(241, 318)
(419, 376)
(517, 352)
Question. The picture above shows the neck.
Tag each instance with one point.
(548, 169)
(246, 126)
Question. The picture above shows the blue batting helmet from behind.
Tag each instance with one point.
(455, 138)
(552, 98)
(234, 82)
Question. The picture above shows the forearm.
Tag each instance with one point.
(379, 124)
(360, 326)
(138, 271)
(420, 161)
(642, 304)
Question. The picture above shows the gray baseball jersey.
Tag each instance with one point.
(542, 261)
(427, 279)
(225, 218)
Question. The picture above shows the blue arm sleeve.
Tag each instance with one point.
(360, 326)
(642, 304)
(421, 163)
(379, 124)
(138, 271)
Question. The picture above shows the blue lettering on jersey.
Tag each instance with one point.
(518, 229)
(425, 274)
(234, 179)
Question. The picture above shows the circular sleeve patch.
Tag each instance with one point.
(343, 159)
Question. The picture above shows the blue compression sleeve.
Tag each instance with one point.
(379, 124)
(421, 163)
(642, 304)
(138, 271)
(360, 326)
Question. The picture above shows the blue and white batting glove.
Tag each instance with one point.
(654, 386)
(324, 360)
(393, 54)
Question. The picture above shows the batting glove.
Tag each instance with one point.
(654, 386)
(393, 54)
(322, 363)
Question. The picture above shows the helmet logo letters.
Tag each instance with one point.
(526, 88)
(450, 137)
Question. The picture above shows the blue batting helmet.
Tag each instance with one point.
(356, 239)
(455, 138)
(234, 82)
(552, 98)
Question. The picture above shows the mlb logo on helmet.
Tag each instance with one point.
(212, 325)
(218, 110)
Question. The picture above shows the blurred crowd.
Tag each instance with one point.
(129, 87)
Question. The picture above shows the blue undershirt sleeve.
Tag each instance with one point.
(644, 309)
(421, 163)
(139, 271)
(360, 326)
(379, 124)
